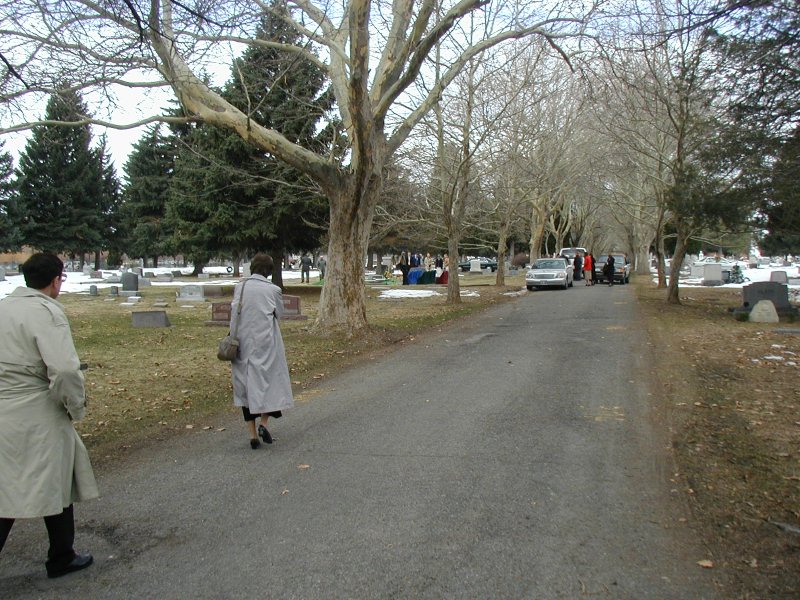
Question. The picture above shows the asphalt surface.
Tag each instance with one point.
(517, 454)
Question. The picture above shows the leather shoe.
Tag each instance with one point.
(254, 444)
(81, 561)
(262, 431)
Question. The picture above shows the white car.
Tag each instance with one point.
(549, 272)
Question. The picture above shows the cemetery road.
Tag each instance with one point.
(517, 454)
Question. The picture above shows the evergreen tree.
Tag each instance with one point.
(111, 199)
(782, 207)
(9, 239)
(148, 172)
(59, 201)
(230, 198)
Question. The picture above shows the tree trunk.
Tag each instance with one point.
(537, 234)
(453, 284)
(342, 304)
(673, 296)
(500, 279)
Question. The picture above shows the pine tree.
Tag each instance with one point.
(59, 192)
(148, 172)
(233, 199)
(110, 204)
(9, 238)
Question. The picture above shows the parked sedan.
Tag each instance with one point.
(549, 272)
(622, 268)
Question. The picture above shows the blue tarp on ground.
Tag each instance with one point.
(414, 275)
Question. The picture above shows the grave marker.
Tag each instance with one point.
(291, 309)
(150, 318)
(779, 276)
(764, 312)
(191, 293)
(220, 314)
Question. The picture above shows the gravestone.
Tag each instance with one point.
(764, 312)
(712, 274)
(150, 318)
(2, 274)
(165, 277)
(96, 275)
(130, 282)
(777, 293)
(779, 276)
(204, 276)
(149, 274)
(191, 293)
(144, 282)
(697, 271)
(220, 314)
(138, 270)
(176, 273)
(291, 309)
(213, 291)
(87, 270)
(93, 290)
(114, 291)
(475, 266)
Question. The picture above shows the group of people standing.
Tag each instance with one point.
(409, 260)
(584, 262)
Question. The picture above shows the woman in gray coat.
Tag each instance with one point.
(261, 384)
(44, 466)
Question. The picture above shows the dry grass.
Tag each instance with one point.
(146, 384)
(733, 393)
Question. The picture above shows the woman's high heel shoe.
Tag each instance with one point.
(262, 431)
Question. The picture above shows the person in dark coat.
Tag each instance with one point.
(577, 264)
(608, 269)
(403, 267)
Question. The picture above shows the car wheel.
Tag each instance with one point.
(530, 288)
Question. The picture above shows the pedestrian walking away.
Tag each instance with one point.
(44, 466)
(261, 384)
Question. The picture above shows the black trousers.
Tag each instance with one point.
(60, 530)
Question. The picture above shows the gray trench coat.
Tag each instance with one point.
(44, 466)
(260, 374)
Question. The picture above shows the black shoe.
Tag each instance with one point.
(81, 561)
(262, 431)
(254, 443)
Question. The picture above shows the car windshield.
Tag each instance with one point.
(552, 263)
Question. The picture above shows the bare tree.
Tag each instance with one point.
(372, 52)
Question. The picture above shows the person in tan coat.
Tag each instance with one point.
(44, 466)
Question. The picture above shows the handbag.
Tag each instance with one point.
(228, 348)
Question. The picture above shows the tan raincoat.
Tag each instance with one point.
(44, 466)
(260, 374)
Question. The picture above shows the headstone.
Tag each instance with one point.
(764, 312)
(191, 293)
(291, 308)
(150, 318)
(203, 276)
(113, 278)
(213, 291)
(130, 282)
(149, 274)
(138, 270)
(144, 282)
(93, 290)
(775, 292)
(220, 314)
(96, 274)
(779, 276)
(712, 274)
(165, 277)
(176, 273)
(87, 270)
(697, 271)
(114, 291)
(475, 266)
(2, 274)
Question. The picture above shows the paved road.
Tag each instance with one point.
(515, 455)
